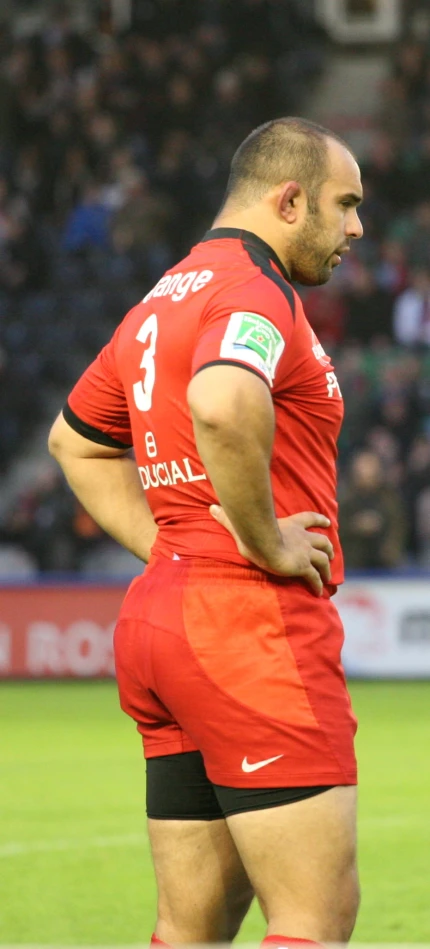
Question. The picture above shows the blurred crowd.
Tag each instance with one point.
(114, 154)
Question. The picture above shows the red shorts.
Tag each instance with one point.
(243, 668)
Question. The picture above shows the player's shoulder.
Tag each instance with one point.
(269, 285)
(244, 265)
(262, 291)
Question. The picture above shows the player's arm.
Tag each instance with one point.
(106, 482)
(233, 421)
(234, 425)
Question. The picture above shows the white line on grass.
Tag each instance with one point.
(16, 848)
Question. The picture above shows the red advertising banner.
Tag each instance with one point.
(56, 631)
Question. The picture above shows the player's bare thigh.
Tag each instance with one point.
(301, 860)
(203, 890)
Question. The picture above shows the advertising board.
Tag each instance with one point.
(387, 627)
(57, 631)
(66, 631)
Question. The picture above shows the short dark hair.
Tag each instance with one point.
(282, 149)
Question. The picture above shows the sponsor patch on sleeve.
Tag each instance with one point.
(253, 339)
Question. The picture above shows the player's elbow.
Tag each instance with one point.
(207, 413)
(214, 405)
(56, 439)
(229, 397)
(54, 447)
(212, 423)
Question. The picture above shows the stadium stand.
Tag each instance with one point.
(114, 151)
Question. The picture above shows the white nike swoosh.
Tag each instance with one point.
(258, 764)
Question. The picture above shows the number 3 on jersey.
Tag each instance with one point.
(142, 391)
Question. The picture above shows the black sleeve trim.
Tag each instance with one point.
(234, 362)
(90, 432)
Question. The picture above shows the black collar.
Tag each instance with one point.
(250, 239)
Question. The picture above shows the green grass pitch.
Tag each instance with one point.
(74, 860)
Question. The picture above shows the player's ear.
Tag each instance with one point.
(288, 200)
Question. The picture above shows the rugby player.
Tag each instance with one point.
(228, 646)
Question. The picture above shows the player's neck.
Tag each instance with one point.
(260, 224)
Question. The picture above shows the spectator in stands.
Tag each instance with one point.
(391, 272)
(368, 307)
(410, 67)
(422, 169)
(20, 402)
(372, 524)
(23, 260)
(229, 113)
(88, 223)
(395, 405)
(423, 527)
(386, 446)
(385, 171)
(49, 524)
(411, 316)
(326, 311)
(395, 116)
(418, 241)
(417, 485)
(72, 179)
(140, 227)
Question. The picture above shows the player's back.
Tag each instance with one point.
(229, 301)
(156, 349)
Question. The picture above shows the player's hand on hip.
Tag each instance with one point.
(303, 553)
(300, 541)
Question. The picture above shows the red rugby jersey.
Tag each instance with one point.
(229, 301)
